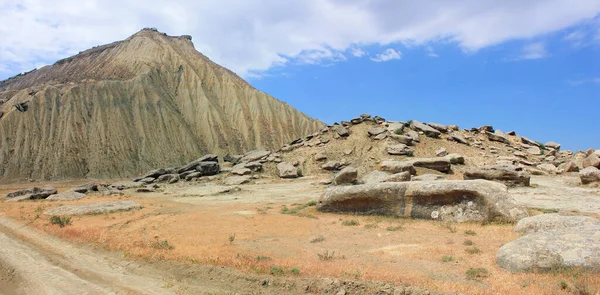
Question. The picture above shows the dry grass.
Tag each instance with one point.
(201, 233)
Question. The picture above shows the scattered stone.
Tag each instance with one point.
(241, 171)
(192, 175)
(208, 168)
(254, 166)
(192, 165)
(511, 133)
(347, 152)
(455, 159)
(66, 196)
(341, 131)
(426, 129)
(320, 156)
(287, 170)
(497, 137)
(148, 180)
(347, 175)
(34, 193)
(253, 156)
(428, 177)
(545, 222)
(569, 167)
(234, 159)
(154, 173)
(397, 167)
(591, 161)
(236, 180)
(460, 201)
(528, 141)
(356, 121)
(86, 188)
(439, 164)
(507, 174)
(375, 177)
(543, 251)
(123, 185)
(146, 189)
(332, 166)
(549, 168)
(552, 145)
(168, 178)
(589, 175)
(457, 137)
(438, 127)
(94, 208)
(381, 136)
(520, 154)
(375, 131)
(534, 150)
(401, 139)
(441, 152)
(399, 150)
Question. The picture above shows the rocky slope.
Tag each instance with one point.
(120, 109)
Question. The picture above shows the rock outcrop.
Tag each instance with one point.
(507, 174)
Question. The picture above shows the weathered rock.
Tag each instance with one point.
(123, 185)
(86, 188)
(441, 152)
(381, 136)
(428, 177)
(192, 175)
(438, 127)
(426, 129)
(208, 168)
(520, 154)
(192, 165)
(549, 168)
(414, 135)
(94, 208)
(534, 150)
(397, 167)
(332, 166)
(254, 166)
(66, 196)
(589, 175)
(497, 137)
(380, 176)
(375, 131)
(569, 167)
(507, 174)
(457, 137)
(146, 189)
(439, 164)
(154, 173)
(234, 159)
(543, 251)
(401, 139)
(455, 159)
(341, 131)
(320, 156)
(591, 161)
(348, 175)
(399, 149)
(33, 193)
(545, 222)
(241, 171)
(287, 170)
(255, 156)
(552, 145)
(148, 180)
(528, 141)
(357, 121)
(167, 177)
(460, 201)
(236, 180)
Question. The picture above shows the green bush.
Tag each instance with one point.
(61, 221)
(477, 273)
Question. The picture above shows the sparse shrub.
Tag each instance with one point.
(453, 160)
(164, 245)
(296, 210)
(409, 122)
(450, 226)
(318, 239)
(300, 172)
(563, 285)
(311, 204)
(350, 222)
(371, 225)
(477, 273)
(395, 228)
(399, 131)
(276, 270)
(447, 258)
(61, 221)
(468, 242)
(263, 258)
(231, 238)
(326, 255)
(295, 271)
(410, 153)
(470, 233)
(473, 250)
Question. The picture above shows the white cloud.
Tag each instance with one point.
(535, 50)
(387, 55)
(357, 52)
(431, 52)
(254, 36)
(584, 81)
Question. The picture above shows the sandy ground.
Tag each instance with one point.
(190, 238)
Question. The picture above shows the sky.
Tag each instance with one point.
(529, 66)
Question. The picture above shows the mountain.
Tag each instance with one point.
(119, 109)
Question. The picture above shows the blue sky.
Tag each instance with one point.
(529, 66)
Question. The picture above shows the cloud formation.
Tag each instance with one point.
(254, 36)
(387, 55)
(535, 50)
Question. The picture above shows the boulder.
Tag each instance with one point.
(497, 137)
(520, 154)
(397, 167)
(534, 150)
(347, 175)
(287, 170)
(528, 141)
(241, 171)
(591, 161)
(236, 180)
(399, 150)
(428, 177)
(376, 131)
(208, 168)
(457, 137)
(552, 145)
(507, 174)
(569, 167)
(545, 222)
(255, 156)
(123, 185)
(438, 164)
(94, 208)
(548, 168)
(86, 188)
(476, 200)
(356, 121)
(547, 250)
(441, 152)
(167, 177)
(341, 131)
(332, 166)
(154, 173)
(148, 180)
(192, 175)
(320, 156)
(439, 127)
(426, 129)
(455, 159)
(192, 165)
(234, 159)
(403, 139)
(34, 193)
(381, 136)
(66, 196)
(589, 175)
(414, 135)
(380, 176)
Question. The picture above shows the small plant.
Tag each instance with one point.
(447, 258)
(164, 245)
(563, 285)
(395, 228)
(371, 225)
(318, 239)
(468, 242)
(263, 258)
(326, 255)
(350, 222)
(450, 226)
(231, 238)
(399, 131)
(311, 204)
(477, 273)
(473, 250)
(470, 233)
(300, 172)
(61, 221)
(453, 160)
(409, 122)
(295, 271)
(276, 270)
(39, 209)
(410, 153)
(296, 210)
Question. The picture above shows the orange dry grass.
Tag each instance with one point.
(410, 255)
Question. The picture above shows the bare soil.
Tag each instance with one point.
(194, 238)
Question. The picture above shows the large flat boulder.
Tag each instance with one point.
(507, 174)
(192, 165)
(287, 170)
(545, 222)
(439, 164)
(347, 175)
(255, 155)
(552, 249)
(208, 168)
(589, 175)
(33, 193)
(397, 167)
(476, 200)
(399, 149)
(94, 208)
(591, 161)
(66, 196)
(426, 129)
(380, 176)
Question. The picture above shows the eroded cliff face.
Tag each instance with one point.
(120, 109)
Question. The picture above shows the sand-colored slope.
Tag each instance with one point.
(123, 108)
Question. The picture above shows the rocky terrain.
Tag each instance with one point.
(119, 109)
